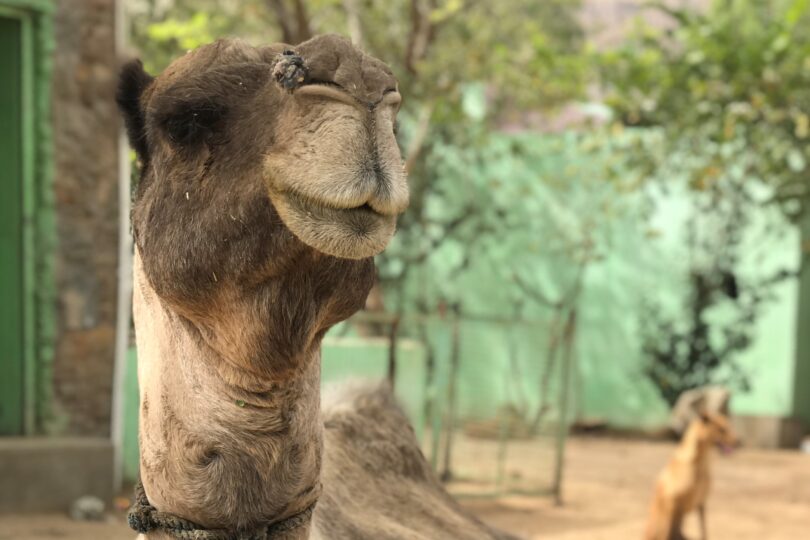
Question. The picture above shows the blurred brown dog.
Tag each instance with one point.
(683, 485)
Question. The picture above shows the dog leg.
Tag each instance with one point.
(676, 525)
(702, 516)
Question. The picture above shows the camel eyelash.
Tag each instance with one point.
(325, 83)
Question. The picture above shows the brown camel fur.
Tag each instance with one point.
(270, 177)
(683, 485)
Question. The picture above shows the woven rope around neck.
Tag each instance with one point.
(143, 518)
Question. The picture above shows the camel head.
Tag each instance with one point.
(261, 163)
(313, 125)
(310, 127)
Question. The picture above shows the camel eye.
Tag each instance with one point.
(188, 124)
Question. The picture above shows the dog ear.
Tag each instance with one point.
(132, 82)
(700, 408)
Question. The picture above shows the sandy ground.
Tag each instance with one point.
(758, 495)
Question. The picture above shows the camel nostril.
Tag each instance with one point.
(365, 206)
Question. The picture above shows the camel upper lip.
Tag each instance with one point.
(308, 202)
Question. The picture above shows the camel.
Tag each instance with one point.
(270, 178)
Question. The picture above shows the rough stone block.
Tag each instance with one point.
(769, 431)
(44, 474)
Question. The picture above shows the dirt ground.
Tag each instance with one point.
(760, 495)
(756, 495)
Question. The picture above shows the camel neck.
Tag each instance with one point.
(214, 451)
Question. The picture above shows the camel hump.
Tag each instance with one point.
(365, 416)
(377, 483)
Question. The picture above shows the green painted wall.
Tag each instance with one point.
(639, 265)
(647, 258)
(131, 402)
(770, 360)
(500, 367)
(801, 375)
(349, 357)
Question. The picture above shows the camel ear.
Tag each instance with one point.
(131, 84)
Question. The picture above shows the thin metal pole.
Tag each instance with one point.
(392, 351)
(562, 428)
(503, 437)
(447, 473)
(124, 281)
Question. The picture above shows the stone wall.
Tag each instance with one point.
(86, 197)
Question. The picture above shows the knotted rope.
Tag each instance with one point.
(143, 518)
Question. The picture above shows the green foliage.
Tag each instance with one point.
(690, 351)
(729, 84)
(163, 31)
(728, 90)
(188, 34)
(526, 51)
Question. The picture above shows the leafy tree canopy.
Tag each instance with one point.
(730, 84)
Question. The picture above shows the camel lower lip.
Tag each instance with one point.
(351, 233)
(361, 220)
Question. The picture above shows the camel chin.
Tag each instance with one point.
(348, 233)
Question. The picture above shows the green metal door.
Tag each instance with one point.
(11, 239)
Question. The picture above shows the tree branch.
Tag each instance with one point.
(449, 228)
(421, 34)
(353, 21)
(302, 19)
(535, 294)
(295, 27)
(419, 135)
